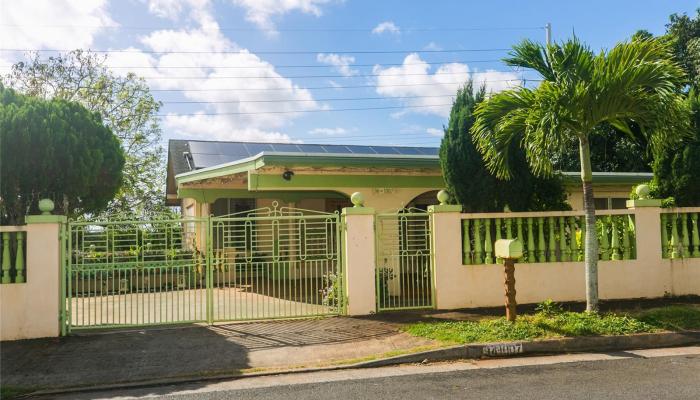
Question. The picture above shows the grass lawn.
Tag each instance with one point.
(551, 321)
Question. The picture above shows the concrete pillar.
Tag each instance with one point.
(31, 309)
(647, 221)
(446, 227)
(359, 260)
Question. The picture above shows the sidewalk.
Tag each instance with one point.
(126, 356)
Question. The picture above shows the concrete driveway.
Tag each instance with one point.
(140, 355)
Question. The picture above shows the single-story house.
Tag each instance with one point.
(220, 178)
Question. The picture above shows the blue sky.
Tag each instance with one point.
(222, 57)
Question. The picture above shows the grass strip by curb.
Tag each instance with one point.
(550, 321)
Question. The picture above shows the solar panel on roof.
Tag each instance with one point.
(311, 148)
(206, 160)
(385, 150)
(285, 147)
(255, 148)
(204, 147)
(233, 150)
(429, 151)
(337, 149)
(361, 149)
(407, 151)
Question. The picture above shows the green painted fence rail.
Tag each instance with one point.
(547, 236)
(13, 254)
(679, 233)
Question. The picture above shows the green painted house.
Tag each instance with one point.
(220, 178)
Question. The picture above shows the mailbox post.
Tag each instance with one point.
(509, 250)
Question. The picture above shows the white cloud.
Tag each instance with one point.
(432, 46)
(32, 24)
(414, 78)
(435, 132)
(386, 26)
(243, 113)
(260, 12)
(340, 62)
(331, 131)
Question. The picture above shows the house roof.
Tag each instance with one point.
(190, 155)
(194, 160)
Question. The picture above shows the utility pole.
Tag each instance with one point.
(548, 33)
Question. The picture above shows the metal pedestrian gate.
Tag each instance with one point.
(404, 261)
(275, 262)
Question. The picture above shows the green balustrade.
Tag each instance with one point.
(6, 265)
(519, 232)
(563, 247)
(626, 247)
(665, 249)
(467, 243)
(19, 258)
(509, 228)
(696, 236)
(573, 243)
(604, 243)
(551, 249)
(675, 240)
(478, 244)
(497, 222)
(530, 242)
(488, 245)
(615, 242)
(685, 240)
(540, 240)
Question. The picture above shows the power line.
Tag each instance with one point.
(238, 29)
(266, 51)
(289, 66)
(304, 111)
(322, 76)
(305, 100)
(340, 86)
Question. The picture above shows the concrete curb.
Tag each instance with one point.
(549, 346)
(459, 352)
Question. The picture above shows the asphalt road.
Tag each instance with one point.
(643, 374)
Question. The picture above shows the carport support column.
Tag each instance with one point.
(359, 258)
(446, 232)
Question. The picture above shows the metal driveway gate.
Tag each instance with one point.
(266, 263)
(404, 266)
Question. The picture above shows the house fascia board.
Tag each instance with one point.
(308, 159)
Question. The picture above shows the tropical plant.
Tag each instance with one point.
(54, 149)
(126, 106)
(473, 185)
(677, 169)
(631, 86)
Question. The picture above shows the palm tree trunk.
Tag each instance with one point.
(591, 240)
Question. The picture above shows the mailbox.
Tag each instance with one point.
(509, 249)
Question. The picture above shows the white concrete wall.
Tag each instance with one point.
(31, 310)
(466, 286)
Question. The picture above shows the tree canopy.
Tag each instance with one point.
(677, 168)
(126, 106)
(633, 87)
(471, 183)
(54, 149)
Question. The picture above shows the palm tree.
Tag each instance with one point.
(634, 87)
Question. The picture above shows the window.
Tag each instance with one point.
(610, 203)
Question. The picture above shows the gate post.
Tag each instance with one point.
(32, 309)
(359, 257)
(446, 231)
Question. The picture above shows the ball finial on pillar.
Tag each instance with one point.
(46, 206)
(357, 199)
(642, 191)
(443, 197)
